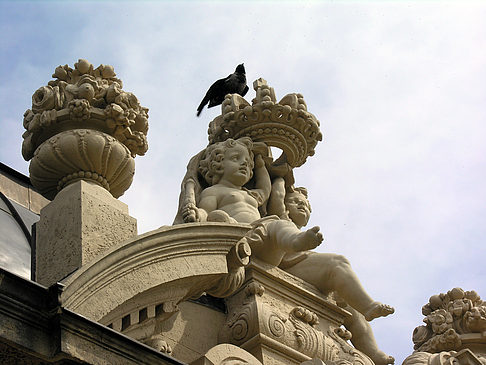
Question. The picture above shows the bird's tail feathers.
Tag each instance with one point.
(201, 106)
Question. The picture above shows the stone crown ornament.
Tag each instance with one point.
(286, 124)
(82, 125)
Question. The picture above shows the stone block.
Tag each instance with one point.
(82, 222)
(36, 201)
(15, 190)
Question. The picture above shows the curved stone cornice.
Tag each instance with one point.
(227, 354)
(196, 256)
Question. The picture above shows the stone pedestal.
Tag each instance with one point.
(83, 221)
(280, 319)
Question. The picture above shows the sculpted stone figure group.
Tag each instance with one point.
(239, 188)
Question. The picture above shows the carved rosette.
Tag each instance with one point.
(454, 330)
(82, 125)
(285, 124)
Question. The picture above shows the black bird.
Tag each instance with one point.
(234, 83)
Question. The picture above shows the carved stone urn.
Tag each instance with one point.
(83, 126)
(454, 330)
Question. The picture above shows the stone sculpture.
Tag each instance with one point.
(327, 271)
(454, 330)
(228, 166)
(237, 181)
(238, 234)
(83, 126)
(82, 134)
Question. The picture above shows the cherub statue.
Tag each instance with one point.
(329, 272)
(277, 239)
(227, 167)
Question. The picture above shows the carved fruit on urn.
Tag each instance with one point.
(83, 126)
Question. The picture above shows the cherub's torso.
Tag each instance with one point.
(238, 203)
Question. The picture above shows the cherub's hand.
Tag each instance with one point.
(259, 162)
(310, 239)
(279, 170)
(190, 213)
(220, 216)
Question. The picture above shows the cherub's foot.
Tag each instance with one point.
(380, 358)
(377, 309)
(309, 239)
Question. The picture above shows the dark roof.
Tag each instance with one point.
(36, 327)
(14, 173)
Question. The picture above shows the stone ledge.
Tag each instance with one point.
(186, 254)
(37, 329)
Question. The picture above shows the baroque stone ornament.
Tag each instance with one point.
(235, 180)
(454, 330)
(82, 125)
(227, 283)
(264, 323)
(226, 354)
(285, 124)
(158, 343)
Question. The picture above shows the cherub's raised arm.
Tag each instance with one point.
(263, 183)
(276, 202)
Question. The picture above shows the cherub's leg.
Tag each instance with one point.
(331, 272)
(363, 338)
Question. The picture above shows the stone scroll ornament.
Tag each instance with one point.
(82, 125)
(454, 332)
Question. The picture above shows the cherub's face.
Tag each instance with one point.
(237, 165)
(298, 207)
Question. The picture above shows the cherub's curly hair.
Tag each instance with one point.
(302, 191)
(211, 164)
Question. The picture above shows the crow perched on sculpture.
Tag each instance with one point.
(234, 83)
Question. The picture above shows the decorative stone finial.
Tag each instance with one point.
(286, 124)
(83, 126)
(454, 330)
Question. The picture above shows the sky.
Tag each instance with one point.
(396, 185)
